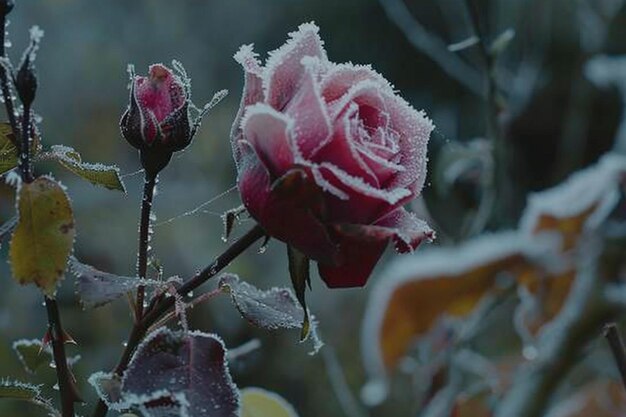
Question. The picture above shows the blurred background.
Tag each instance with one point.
(555, 121)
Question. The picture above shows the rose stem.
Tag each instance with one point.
(500, 181)
(4, 85)
(55, 328)
(157, 310)
(144, 239)
(617, 348)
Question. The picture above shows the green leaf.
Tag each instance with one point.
(8, 152)
(300, 278)
(32, 354)
(15, 390)
(107, 176)
(257, 402)
(96, 288)
(44, 235)
(18, 390)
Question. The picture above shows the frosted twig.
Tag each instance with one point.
(617, 348)
(433, 46)
(350, 406)
(197, 209)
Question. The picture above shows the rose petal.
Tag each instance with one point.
(268, 131)
(365, 204)
(414, 130)
(312, 127)
(407, 230)
(161, 92)
(341, 150)
(287, 208)
(358, 258)
(341, 77)
(252, 93)
(284, 71)
(361, 246)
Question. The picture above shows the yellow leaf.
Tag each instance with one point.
(416, 291)
(580, 203)
(43, 238)
(257, 402)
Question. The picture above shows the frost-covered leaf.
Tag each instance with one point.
(300, 277)
(229, 218)
(96, 288)
(18, 390)
(44, 235)
(15, 390)
(414, 292)
(32, 354)
(276, 308)
(180, 374)
(257, 402)
(580, 204)
(107, 176)
(108, 386)
(8, 152)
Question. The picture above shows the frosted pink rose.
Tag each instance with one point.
(327, 154)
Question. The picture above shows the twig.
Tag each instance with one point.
(500, 210)
(432, 46)
(159, 308)
(67, 388)
(617, 348)
(144, 240)
(350, 406)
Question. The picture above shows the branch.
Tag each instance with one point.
(144, 240)
(4, 85)
(432, 46)
(617, 348)
(160, 307)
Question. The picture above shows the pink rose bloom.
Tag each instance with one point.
(327, 154)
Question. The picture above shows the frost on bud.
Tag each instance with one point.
(6, 6)
(26, 77)
(160, 118)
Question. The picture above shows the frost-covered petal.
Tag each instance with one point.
(312, 126)
(414, 130)
(284, 70)
(161, 92)
(252, 92)
(286, 209)
(342, 151)
(268, 131)
(366, 203)
(341, 77)
(362, 245)
(405, 228)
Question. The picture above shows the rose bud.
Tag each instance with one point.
(327, 155)
(158, 119)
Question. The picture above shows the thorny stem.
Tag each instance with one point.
(4, 84)
(617, 348)
(501, 202)
(69, 394)
(67, 389)
(158, 309)
(144, 240)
